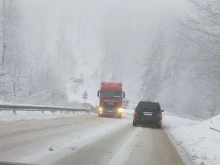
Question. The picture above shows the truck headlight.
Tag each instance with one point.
(100, 109)
(120, 110)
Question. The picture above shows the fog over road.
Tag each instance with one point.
(86, 140)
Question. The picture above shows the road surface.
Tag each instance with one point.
(85, 140)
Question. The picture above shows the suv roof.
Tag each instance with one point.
(148, 105)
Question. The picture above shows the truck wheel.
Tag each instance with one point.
(99, 115)
(134, 123)
(119, 116)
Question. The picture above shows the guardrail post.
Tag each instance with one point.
(14, 111)
(42, 112)
(61, 112)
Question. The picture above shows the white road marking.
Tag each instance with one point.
(124, 152)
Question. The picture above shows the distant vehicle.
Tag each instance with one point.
(148, 112)
(110, 102)
(125, 103)
(88, 106)
(79, 81)
(96, 109)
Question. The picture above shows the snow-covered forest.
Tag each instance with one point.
(182, 67)
(53, 50)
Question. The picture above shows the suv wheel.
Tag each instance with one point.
(159, 125)
(134, 123)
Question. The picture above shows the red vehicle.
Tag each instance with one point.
(110, 103)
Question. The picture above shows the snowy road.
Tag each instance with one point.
(85, 140)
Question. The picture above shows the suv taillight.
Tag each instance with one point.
(159, 115)
(135, 113)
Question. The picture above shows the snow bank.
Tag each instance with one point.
(196, 137)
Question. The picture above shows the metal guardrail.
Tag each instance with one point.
(20, 107)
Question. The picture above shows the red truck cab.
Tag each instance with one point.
(110, 102)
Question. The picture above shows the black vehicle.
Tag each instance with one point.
(148, 112)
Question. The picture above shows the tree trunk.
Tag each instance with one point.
(3, 33)
(14, 87)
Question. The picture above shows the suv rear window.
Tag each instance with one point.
(148, 106)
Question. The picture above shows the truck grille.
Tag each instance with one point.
(110, 104)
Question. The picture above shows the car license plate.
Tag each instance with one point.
(147, 113)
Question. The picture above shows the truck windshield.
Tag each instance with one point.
(111, 93)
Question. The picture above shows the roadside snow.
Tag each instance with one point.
(196, 137)
(36, 115)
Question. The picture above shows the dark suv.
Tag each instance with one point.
(148, 112)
